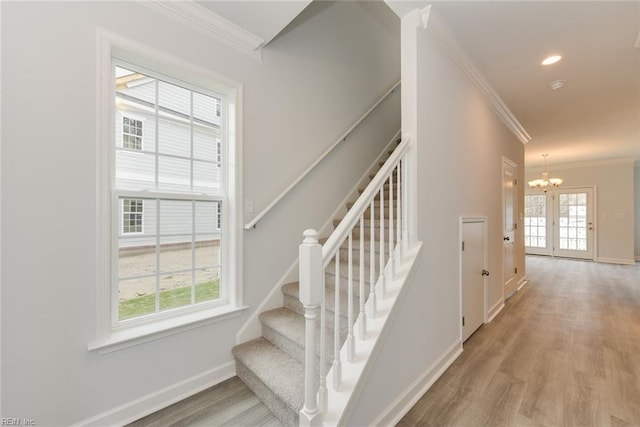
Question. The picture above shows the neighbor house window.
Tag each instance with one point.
(132, 211)
(131, 133)
(218, 153)
(219, 216)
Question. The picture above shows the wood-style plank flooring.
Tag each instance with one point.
(565, 351)
(229, 403)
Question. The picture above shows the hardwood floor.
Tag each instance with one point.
(229, 403)
(564, 351)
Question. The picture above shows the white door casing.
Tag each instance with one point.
(509, 175)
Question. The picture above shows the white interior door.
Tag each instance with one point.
(573, 225)
(508, 233)
(473, 276)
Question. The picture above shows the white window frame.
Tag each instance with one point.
(112, 335)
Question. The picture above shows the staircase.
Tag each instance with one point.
(272, 366)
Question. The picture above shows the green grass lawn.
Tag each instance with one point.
(169, 299)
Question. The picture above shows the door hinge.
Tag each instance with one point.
(515, 182)
(515, 226)
(463, 245)
(462, 320)
(516, 269)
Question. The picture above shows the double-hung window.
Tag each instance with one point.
(172, 172)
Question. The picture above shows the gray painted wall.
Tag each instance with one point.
(636, 215)
(614, 210)
(460, 144)
(315, 80)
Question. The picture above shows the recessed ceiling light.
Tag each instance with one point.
(551, 59)
(557, 84)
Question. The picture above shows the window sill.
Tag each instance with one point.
(133, 336)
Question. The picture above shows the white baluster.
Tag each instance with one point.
(372, 262)
(391, 229)
(351, 341)
(362, 332)
(399, 211)
(383, 284)
(405, 201)
(310, 271)
(322, 389)
(337, 366)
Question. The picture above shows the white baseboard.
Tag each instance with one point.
(523, 281)
(407, 399)
(493, 311)
(616, 261)
(638, 258)
(145, 405)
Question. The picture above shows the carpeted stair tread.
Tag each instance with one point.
(355, 268)
(293, 290)
(386, 187)
(376, 205)
(367, 223)
(394, 174)
(355, 242)
(285, 329)
(281, 373)
(285, 322)
(272, 365)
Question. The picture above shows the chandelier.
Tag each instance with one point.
(545, 183)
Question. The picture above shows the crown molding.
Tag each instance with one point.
(445, 38)
(199, 18)
(584, 164)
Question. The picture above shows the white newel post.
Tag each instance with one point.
(310, 262)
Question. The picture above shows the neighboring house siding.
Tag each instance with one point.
(177, 222)
(136, 170)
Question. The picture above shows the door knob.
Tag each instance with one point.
(485, 273)
(506, 238)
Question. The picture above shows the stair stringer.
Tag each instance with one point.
(252, 328)
(341, 403)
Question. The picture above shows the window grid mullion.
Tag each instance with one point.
(157, 293)
(193, 251)
(193, 203)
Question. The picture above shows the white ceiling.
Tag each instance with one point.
(264, 18)
(597, 114)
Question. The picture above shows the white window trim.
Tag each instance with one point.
(108, 338)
